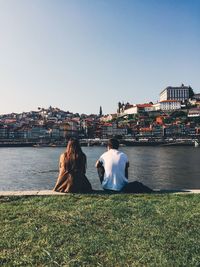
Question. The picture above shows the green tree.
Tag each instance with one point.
(191, 92)
(100, 111)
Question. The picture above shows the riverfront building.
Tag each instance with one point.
(180, 93)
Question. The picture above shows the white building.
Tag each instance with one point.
(142, 107)
(170, 105)
(108, 117)
(156, 106)
(132, 110)
(194, 112)
(180, 93)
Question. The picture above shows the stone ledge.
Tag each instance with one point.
(50, 192)
(29, 193)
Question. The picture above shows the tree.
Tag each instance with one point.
(100, 111)
(119, 107)
(191, 92)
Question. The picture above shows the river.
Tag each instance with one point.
(158, 167)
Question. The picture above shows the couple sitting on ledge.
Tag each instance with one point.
(112, 168)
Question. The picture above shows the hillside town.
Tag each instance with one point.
(177, 114)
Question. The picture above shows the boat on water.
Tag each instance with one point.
(49, 145)
(58, 145)
(178, 143)
(40, 145)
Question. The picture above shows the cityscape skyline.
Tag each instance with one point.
(179, 95)
(80, 55)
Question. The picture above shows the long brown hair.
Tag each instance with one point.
(75, 159)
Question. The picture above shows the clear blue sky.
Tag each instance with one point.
(80, 54)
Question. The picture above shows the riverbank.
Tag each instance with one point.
(103, 142)
(50, 192)
(100, 230)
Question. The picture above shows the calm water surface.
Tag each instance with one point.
(157, 167)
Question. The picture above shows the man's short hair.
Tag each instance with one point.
(113, 143)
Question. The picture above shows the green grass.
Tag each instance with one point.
(100, 230)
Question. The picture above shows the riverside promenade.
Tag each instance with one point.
(50, 192)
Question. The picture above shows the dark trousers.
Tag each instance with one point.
(100, 171)
(132, 187)
(136, 187)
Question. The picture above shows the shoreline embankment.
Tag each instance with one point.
(92, 143)
(51, 192)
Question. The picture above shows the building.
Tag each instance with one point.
(180, 93)
(197, 97)
(140, 108)
(111, 129)
(131, 110)
(135, 109)
(3, 132)
(156, 106)
(194, 112)
(108, 118)
(145, 107)
(170, 105)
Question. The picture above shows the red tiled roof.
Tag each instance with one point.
(163, 101)
(147, 129)
(107, 124)
(144, 105)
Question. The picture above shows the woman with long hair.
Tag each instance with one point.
(72, 170)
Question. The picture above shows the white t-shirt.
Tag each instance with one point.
(114, 162)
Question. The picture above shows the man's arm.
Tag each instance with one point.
(97, 164)
(100, 170)
(126, 170)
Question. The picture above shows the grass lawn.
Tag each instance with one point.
(100, 230)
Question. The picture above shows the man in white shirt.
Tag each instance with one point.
(113, 167)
